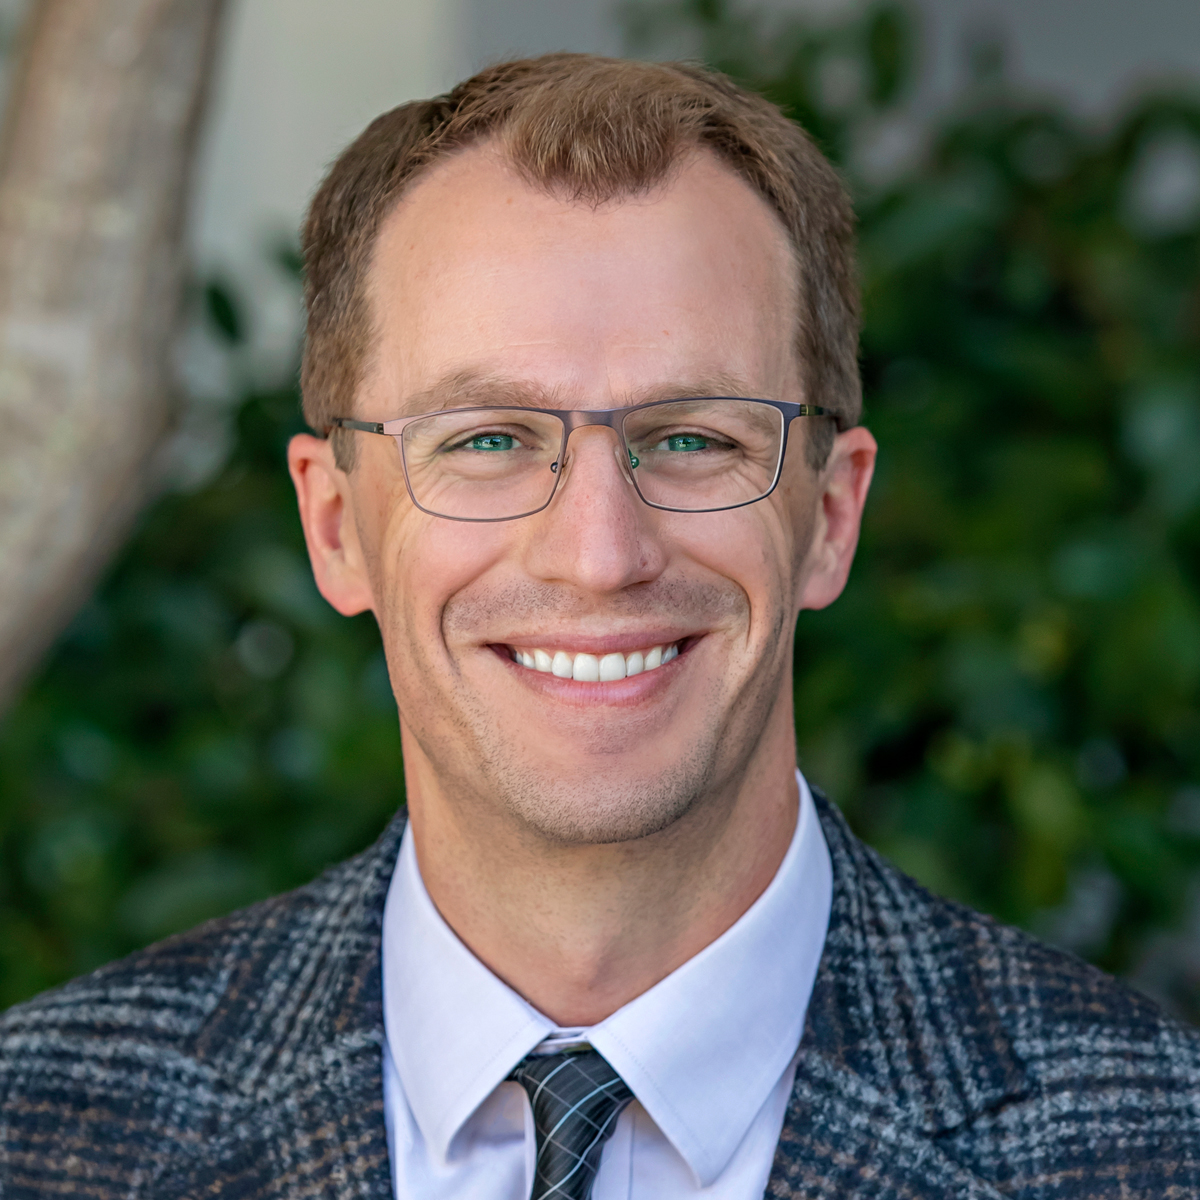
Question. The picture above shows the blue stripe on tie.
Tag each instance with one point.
(572, 1119)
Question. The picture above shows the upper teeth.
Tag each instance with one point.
(592, 668)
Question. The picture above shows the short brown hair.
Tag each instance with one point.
(592, 129)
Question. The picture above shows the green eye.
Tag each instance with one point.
(687, 442)
(492, 441)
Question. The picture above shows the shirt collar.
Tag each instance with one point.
(701, 1050)
(454, 1029)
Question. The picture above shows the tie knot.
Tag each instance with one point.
(576, 1098)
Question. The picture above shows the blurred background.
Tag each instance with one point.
(1006, 701)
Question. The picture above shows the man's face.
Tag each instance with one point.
(487, 291)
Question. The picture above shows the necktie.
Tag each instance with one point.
(576, 1098)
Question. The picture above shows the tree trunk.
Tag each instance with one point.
(94, 172)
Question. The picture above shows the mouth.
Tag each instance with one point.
(596, 668)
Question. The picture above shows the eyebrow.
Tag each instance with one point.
(471, 389)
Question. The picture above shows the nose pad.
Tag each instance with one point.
(626, 461)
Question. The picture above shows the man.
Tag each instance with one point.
(583, 333)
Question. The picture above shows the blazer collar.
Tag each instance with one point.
(904, 1040)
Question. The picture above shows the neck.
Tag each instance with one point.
(580, 930)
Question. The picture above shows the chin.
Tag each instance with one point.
(602, 809)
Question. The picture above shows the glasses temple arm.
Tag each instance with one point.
(347, 423)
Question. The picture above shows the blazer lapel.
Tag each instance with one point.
(296, 1045)
(842, 1138)
(903, 1039)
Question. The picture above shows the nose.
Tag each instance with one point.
(596, 533)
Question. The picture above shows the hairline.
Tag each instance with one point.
(721, 383)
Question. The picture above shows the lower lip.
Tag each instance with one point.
(631, 690)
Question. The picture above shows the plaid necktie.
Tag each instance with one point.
(576, 1098)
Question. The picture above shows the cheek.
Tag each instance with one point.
(752, 548)
(424, 562)
(798, 515)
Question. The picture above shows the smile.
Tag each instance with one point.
(592, 668)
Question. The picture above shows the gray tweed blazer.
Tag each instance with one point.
(943, 1056)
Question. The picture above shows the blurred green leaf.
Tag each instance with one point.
(223, 311)
(889, 52)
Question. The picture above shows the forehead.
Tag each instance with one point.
(476, 274)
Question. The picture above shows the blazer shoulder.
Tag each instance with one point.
(1056, 1003)
(908, 970)
(158, 1006)
(1075, 1027)
(1109, 1104)
(1037, 988)
(160, 994)
(228, 1060)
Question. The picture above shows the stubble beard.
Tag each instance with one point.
(489, 767)
(579, 807)
(599, 809)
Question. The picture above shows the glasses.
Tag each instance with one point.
(702, 454)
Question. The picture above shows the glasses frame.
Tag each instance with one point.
(580, 418)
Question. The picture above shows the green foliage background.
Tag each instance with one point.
(1007, 698)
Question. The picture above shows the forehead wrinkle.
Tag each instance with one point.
(720, 384)
(472, 389)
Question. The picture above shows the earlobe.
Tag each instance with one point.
(326, 513)
(845, 480)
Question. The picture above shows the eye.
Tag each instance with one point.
(492, 441)
(686, 442)
(483, 441)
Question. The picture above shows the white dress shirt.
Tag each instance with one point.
(709, 1051)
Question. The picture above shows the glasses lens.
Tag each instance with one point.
(482, 464)
(698, 455)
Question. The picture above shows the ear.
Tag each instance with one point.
(842, 492)
(326, 512)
